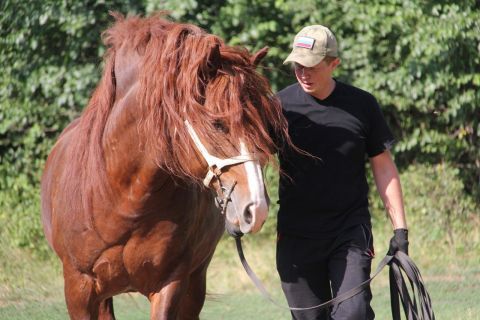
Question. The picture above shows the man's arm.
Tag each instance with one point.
(389, 187)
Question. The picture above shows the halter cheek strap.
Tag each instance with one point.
(215, 165)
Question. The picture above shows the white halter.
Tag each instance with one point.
(215, 165)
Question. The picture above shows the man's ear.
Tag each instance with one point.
(336, 63)
(257, 57)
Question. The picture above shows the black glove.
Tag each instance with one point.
(399, 242)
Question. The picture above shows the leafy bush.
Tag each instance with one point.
(439, 213)
(50, 53)
(420, 58)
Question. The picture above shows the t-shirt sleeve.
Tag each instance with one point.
(379, 137)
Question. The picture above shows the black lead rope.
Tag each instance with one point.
(400, 261)
(414, 310)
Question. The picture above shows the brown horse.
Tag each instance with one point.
(137, 191)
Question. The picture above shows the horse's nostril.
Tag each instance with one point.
(247, 214)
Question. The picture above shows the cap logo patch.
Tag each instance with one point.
(305, 42)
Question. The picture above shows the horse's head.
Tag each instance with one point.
(237, 181)
(235, 137)
(205, 112)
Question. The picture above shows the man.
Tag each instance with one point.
(325, 243)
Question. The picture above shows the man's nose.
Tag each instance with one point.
(303, 73)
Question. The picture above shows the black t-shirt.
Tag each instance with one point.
(322, 195)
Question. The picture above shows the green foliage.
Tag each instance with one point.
(439, 213)
(437, 208)
(50, 54)
(269, 229)
(251, 24)
(419, 58)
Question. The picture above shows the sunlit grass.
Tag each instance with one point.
(33, 289)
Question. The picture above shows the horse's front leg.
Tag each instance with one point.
(80, 294)
(105, 311)
(165, 304)
(194, 298)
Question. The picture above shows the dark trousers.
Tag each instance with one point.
(313, 270)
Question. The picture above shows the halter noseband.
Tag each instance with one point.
(215, 166)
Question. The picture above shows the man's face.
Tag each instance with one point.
(313, 79)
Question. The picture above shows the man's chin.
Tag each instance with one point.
(307, 89)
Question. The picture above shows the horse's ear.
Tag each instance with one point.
(116, 15)
(257, 57)
(214, 60)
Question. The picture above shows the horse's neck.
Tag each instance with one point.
(129, 164)
(126, 69)
(123, 147)
(131, 161)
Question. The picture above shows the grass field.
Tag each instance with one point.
(30, 289)
(453, 298)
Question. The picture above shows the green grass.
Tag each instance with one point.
(451, 300)
(31, 289)
(448, 256)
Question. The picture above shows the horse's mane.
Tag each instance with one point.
(185, 74)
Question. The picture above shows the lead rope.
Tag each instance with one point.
(399, 261)
(421, 310)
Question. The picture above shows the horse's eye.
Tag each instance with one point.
(220, 126)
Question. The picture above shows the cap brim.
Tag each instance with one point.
(304, 58)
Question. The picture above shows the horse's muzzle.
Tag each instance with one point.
(233, 230)
(250, 219)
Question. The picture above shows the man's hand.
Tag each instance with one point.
(399, 242)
